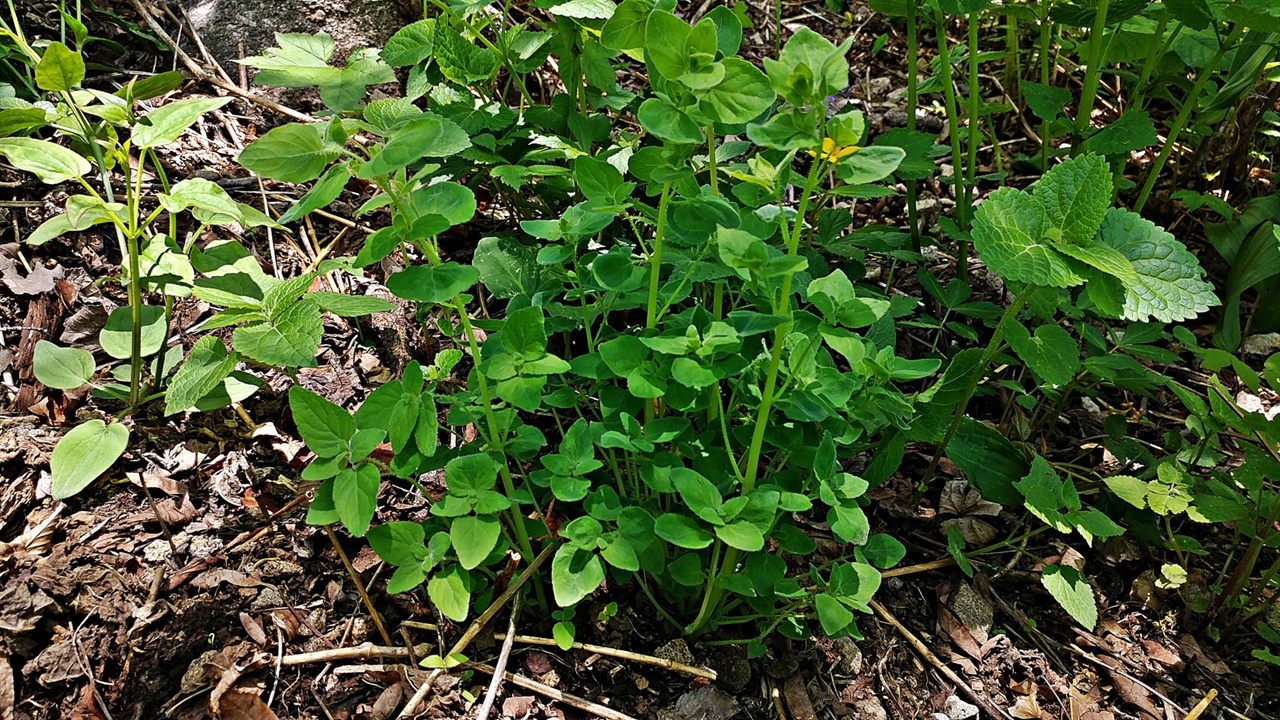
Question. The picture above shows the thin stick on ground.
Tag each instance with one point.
(199, 73)
(601, 649)
(476, 626)
(557, 695)
(355, 578)
(500, 668)
(924, 651)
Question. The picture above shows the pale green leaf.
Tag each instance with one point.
(1169, 286)
(61, 368)
(83, 454)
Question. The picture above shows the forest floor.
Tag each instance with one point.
(188, 584)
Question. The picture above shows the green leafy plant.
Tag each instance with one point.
(1061, 233)
(670, 455)
(280, 321)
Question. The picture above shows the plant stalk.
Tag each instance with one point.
(993, 348)
(1184, 115)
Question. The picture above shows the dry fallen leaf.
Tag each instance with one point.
(1026, 707)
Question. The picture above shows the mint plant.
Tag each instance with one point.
(1060, 233)
(670, 453)
(279, 321)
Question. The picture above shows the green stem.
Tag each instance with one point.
(953, 118)
(913, 92)
(711, 158)
(655, 259)
(782, 305)
(1184, 115)
(1148, 67)
(1046, 33)
(1093, 74)
(993, 348)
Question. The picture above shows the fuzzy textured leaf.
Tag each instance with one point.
(1169, 286)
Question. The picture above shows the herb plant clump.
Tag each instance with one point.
(679, 368)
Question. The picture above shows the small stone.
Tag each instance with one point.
(957, 709)
(157, 551)
(267, 598)
(676, 651)
(850, 656)
(275, 568)
(203, 546)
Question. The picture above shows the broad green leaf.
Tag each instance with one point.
(506, 267)
(741, 535)
(884, 551)
(165, 268)
(16, 121)
(1131, 131)
(1010, 232)
(151, 87)
(355, 497)
(849, 523)
(471, 473)
(743, 95)
(575, 574)
(625, 29)
(59, 69)
(832, 614)
(1075, 195)
(835, 297)
(461, 61)
(682, 531)
(1070, 588)
(584, 9)
(448, 592)
(291, 340)
(51, 163)
(294, 153)
(450, 200)
(427, 136)
(410, 45)
(234, 388)
(1169, 285)
(989, 460)
(1047, 102)
(661, 118)
(198, 193)
(116, 337)
(666, 40)
(564, 633)
(474, 538)
(438, 284)
(83, 454)
(344, 305)
(61, 368)
(1102, 257)
(1129, 488)
(325, 427)
(325, 191)
(399, 543)
(809, 69)
(206, 367)
(166, 124)
(1051, 353)
(871, 164)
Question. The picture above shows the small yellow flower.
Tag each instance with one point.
(833, 153)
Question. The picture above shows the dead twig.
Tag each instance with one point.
(980, 700)
(601, 649)
(199, 73)
(363, 651)
(476, 626)
(355, 578)
(557, 695)
(500, 668)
